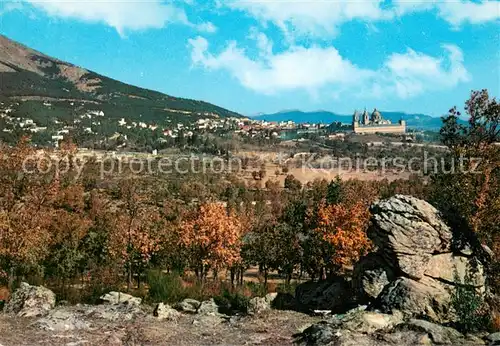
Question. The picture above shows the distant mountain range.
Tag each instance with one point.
(415, 121)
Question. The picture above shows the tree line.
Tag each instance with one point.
(64, 229)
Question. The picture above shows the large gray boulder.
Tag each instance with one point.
(31, 301)
(409, 231)
(208, 307)
(208, 314)
(415, 268)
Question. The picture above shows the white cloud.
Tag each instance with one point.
(456, 12)
(297, 68)
(316, 17)
(413, 73)
(10, 6)
(122, 15)
(207, 27)
(324, 17)
(316, 69)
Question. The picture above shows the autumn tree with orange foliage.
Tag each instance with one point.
(211, 237)
(136, 235)
(338, 234)
(25, 210)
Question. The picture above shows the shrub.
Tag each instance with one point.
(166, 288)
(469, 306)
(232, 302)
(287, 288)
(257, 289)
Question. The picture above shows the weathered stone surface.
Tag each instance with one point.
(165, 312)
(359, 327)
(208, 314)
(79, 317)
(117, 312)
(356, 327)
(408, 231)
(187, 305)
(120, 297)
(368, 322)
(414, 262)
(208, 307)
(258, 305)
(31, 301)
(426, 297)
(370, 276)
(334, 294)
(61, 320)
(448, 267)
(438, 334)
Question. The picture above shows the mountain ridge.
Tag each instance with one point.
(25, 72)
(413, 120)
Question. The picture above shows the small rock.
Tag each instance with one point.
(322, 313)
(208, 307)
(187, 305)
(165, 312)
(258, 305)
(31, 301)
(114, 298)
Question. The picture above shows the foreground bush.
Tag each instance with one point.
(232, 302)
(167, 288)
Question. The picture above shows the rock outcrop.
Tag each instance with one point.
(359, 327)
(31, 301)
(408, 231)
(415, 268)
(64, 319)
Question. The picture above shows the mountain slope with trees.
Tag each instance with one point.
(28, 75)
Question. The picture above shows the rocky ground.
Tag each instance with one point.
(269, 328)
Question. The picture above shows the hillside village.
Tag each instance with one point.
(92, 121)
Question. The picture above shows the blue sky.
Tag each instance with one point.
(256, 56)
